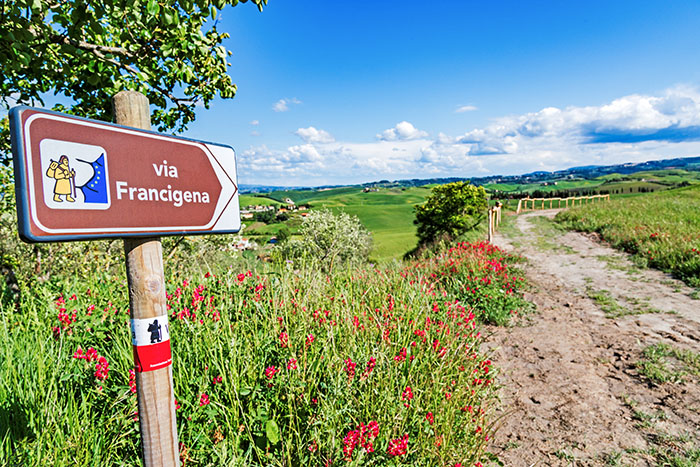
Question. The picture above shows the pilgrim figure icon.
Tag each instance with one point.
(65, 179)
(155, 329)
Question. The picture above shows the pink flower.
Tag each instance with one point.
(132, 381)
(429, 416)
(370, 367)
(270, 372)
(101, 368)
(362, 436)
(407, 395)
(292, 364)
(284, 339)
(79, 354)
(309, 340)
(203, 400)
(350, 368)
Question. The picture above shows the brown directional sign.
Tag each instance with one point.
(79, 179)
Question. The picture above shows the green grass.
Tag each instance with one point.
(418, 323)
(607, 303)
(614, 309)
(257, 200)
(387, 213)
(662, 363)
(661, 230)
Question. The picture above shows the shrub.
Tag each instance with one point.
(330, 239)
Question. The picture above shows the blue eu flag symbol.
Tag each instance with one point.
(95, 190)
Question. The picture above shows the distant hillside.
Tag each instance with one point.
(585, 172)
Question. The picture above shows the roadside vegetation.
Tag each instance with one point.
(303, 360)
(659, 230)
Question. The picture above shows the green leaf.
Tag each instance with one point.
(152, 7)
(168, 17)
(272, 431)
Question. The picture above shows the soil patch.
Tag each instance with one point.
(575, 386)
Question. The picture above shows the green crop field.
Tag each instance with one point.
(255, 200)
(661, 229)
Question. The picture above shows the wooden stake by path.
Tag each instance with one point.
(489, 234)
(149, 321)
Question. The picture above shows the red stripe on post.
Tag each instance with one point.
(152, 357)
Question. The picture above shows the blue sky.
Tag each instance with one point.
(335, 92)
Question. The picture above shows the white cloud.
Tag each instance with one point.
(282, 105)
(313, 135)
(255, 122)
(402, 131)
(303, 154)
(632, 128)
(466, 108)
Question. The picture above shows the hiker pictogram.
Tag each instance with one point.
(155, 329)
(65, 179)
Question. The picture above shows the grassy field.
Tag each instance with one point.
(387, 213)
(255, 200)
(655, 180)
(661, 230)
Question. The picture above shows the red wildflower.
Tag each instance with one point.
(406, 396)
(284, 339)
(398, 446)
(350, 368)
(361, 436)
(203, 400)
(101, 368)
(132, 381)
(270, 372)
(309, 339)
(429, 416)
(370, 367)
(292, 364)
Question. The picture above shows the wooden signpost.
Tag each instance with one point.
(79, 179)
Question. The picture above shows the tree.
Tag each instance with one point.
(283, 234)
(87, 51)
(451, 209)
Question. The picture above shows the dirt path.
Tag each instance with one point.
(573, 391)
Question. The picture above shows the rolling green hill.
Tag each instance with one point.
(387, 213)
